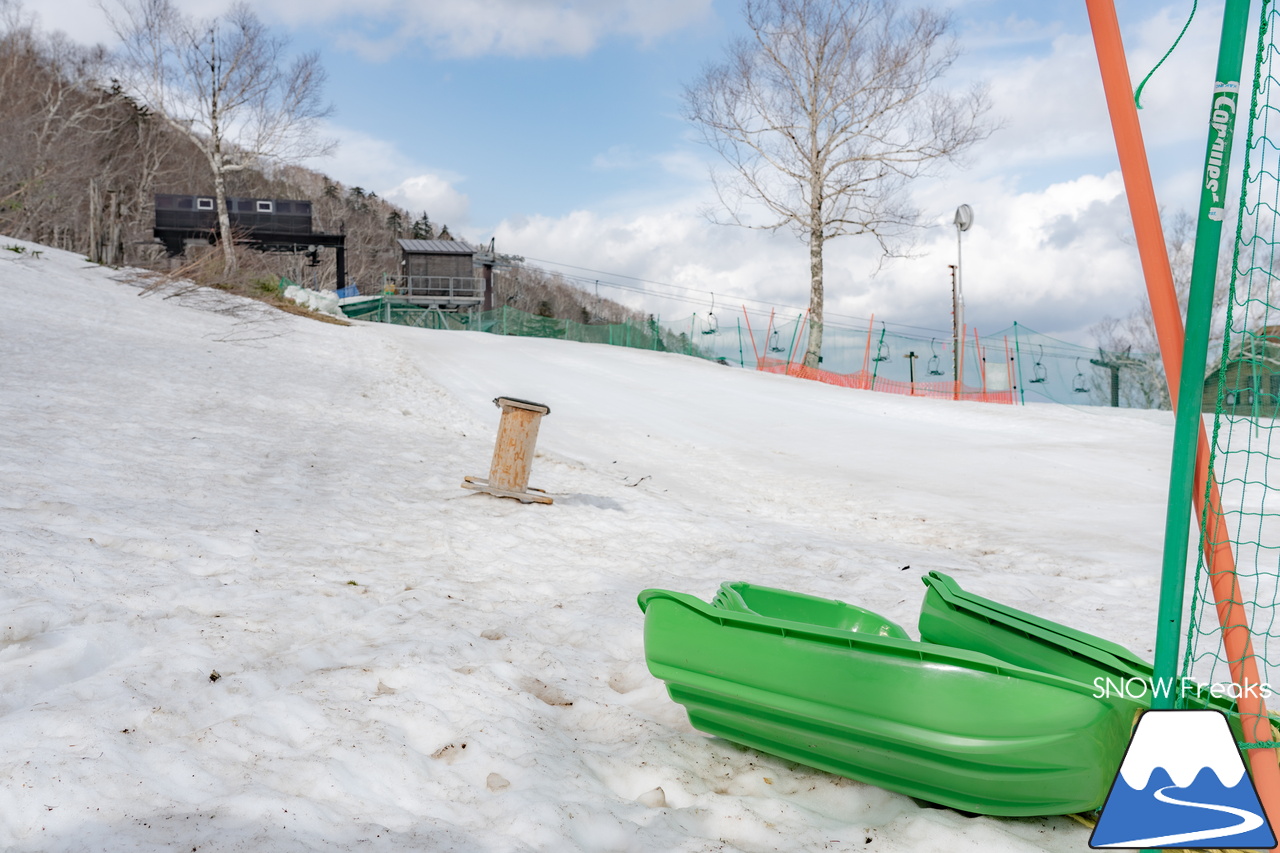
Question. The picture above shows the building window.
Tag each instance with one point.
(265, 207)
(204, 204)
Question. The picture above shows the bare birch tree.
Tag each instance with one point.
(226, 84)
(1144, 382)
(824, 114)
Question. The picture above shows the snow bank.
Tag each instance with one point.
(326, 302)
(200, 486)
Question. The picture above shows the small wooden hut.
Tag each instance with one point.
(439, 274)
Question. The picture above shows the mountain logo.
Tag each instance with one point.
(1182, 784)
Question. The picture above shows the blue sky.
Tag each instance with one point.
(554, 126)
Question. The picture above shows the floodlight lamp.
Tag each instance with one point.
(964, 217)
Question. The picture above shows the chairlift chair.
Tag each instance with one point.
(935, 362)
(1039, 371)
(774, 344)
(1079, 385)
(713, 325)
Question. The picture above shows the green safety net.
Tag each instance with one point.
(1242, 390)
(1017, 364)
(650, 334)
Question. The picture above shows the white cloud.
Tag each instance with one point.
(435, 195)
(458, 28)
(1055, 259)
(1052, 106)
(82, 21)
(526, 28)
(375, 164)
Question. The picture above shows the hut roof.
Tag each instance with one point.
(437, 247)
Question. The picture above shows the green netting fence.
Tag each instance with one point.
(1015, 365)
(1243, 391)
(651, 334)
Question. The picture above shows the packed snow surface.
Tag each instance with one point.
(246, 605)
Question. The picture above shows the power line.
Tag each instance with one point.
(698, 301)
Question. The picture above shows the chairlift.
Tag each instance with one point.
(775, 345)
(935, 363)
(713, 325)
(1079, 385)
(1041, 374)
(882, 351)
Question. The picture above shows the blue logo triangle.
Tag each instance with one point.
(1182, 785)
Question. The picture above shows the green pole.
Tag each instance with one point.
(792, 346)
(742, 360)
(1017, 359)
(1204, 269)
(879, 349)
(657, 331)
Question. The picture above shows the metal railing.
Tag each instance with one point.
(439, 287)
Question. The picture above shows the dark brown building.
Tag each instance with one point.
(439, 274)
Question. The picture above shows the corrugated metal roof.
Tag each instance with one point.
(437, 247)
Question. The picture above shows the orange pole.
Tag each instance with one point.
(982, 362)
(768, 335)
(1153, 255)
(796, 343)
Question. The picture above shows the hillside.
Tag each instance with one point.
(201, 485)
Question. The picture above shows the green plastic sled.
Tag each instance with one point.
(837, 687)
(950, 616)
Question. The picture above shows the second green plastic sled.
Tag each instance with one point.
(950, 616)
(837, 687)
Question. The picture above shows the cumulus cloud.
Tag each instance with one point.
(375, 164)
(1050, 102)
(1056, 259)
(433, 194)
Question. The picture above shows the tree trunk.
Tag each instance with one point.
(813, 350)
(114, 254)
(95, 223)
(224, 216)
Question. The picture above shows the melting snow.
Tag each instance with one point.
(193, 484)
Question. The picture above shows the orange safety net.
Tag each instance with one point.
(864, 380)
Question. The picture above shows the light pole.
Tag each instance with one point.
(963, 219)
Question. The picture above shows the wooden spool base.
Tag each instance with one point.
(481, 484)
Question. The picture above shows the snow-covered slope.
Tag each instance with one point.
(198, 484)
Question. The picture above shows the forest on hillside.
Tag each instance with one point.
(82, 161)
